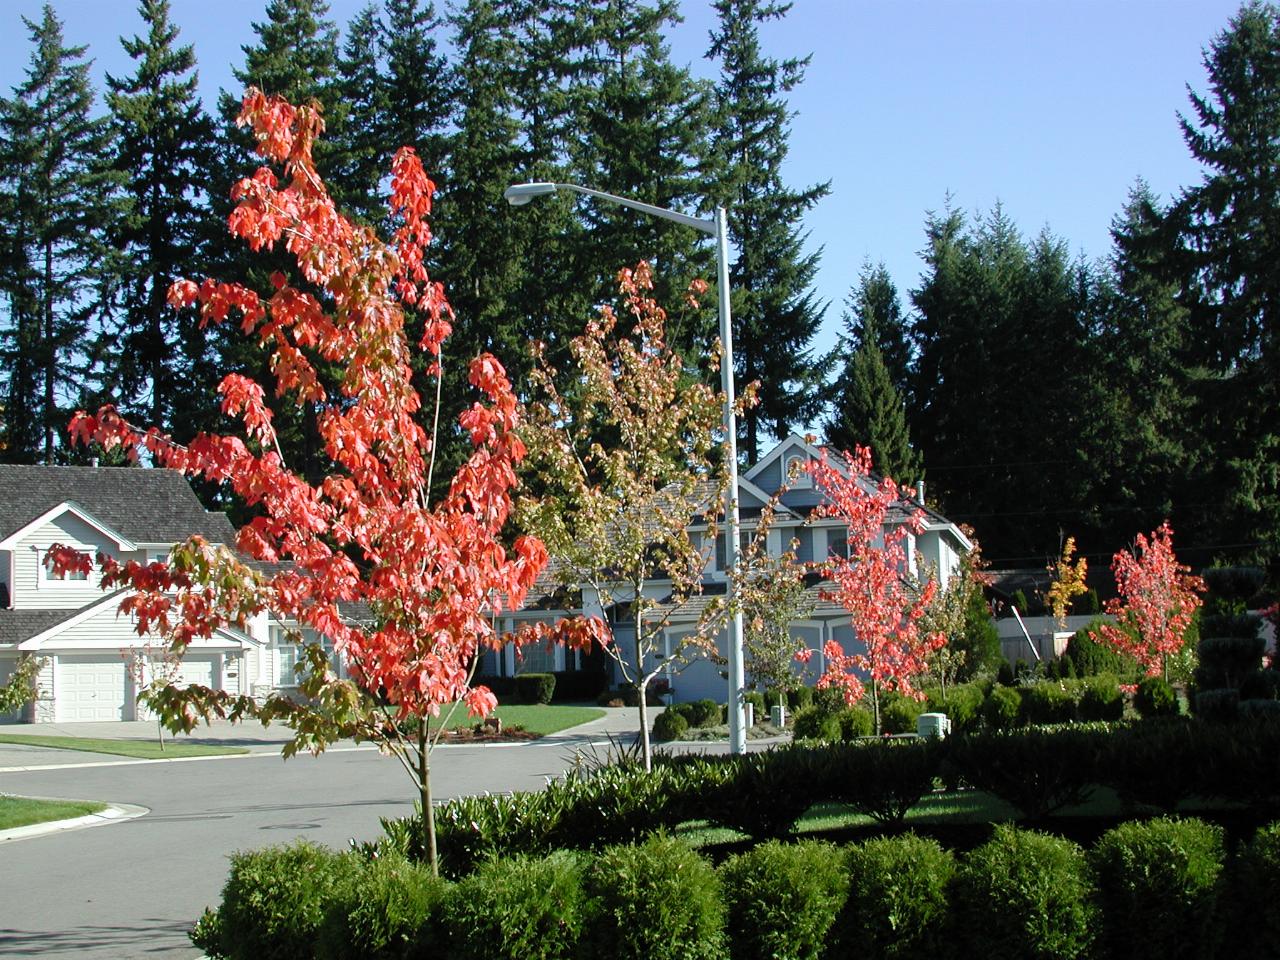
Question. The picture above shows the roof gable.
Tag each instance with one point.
(141, 505)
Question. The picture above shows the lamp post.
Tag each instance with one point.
(521, 193)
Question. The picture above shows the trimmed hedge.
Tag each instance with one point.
(898, 905)
(670, 725)
(1255, 893)
(385, 913)
(782, 899)
(1156, 698)
(657, 900)
(1024, 895)
(1157, 885)
(535, 688)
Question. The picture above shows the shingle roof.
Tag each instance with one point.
(19, 625)
(143, 505)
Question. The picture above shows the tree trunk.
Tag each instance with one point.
(875, 705)
(642, 686)
(424, 796)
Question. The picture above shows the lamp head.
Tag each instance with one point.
(521, 193)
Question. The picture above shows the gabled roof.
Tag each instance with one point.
(140, 504)
(19, 625)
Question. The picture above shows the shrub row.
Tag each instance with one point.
(1038, 770)
(1162, 889)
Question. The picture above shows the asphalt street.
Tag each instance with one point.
(133, 889)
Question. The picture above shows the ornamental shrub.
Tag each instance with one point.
(535, 687)
(1255, 894)
(886, 778)
(1089, 655)
(898, 713)
(517, 908)
(856, 722)
(782, 899)
(1157, 884)
(1038, 770)
(829, 699)
(386, 913)
(670, 725)
(1100, 698)
(1024, 895)
(1225, 662)
(1156, 698)
(799, 698)
(814, 723)
(703, 713)
(274, 901)
(897, 904)
(962, 704)
(1003, 707)
(1217, 705)
(1155, 762)
(656, 900)
(1047, 702)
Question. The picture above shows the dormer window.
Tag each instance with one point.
(49, 575)
(796, 471)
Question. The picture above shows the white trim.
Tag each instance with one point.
(67, 506)
(237, 639)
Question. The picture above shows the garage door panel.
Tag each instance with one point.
(91, 688)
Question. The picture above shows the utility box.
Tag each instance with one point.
(749, 715)
(778, 716)
(933, 725)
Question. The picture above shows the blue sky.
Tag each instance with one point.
(1051, 107)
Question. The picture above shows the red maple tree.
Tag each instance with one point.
(432, 577)
(1157, 602)
(869, 581)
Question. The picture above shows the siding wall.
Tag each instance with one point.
(32, 589)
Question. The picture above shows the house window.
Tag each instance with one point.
(795, 469)
(69, 576)
(536, 658)
(289, 653)
(838, 547)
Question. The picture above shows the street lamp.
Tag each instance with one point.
(521, 193)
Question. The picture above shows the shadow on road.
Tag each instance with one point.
(154, 935)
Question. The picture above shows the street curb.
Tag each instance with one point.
(115, 813)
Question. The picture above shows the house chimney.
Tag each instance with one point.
(920, 492)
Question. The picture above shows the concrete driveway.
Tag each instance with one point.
(133, 889)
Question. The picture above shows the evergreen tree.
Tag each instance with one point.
(418, 98)
(155, 360)
(1230, 225)
(867, 405)
(60, 196)
(774, 310)
(359, 164)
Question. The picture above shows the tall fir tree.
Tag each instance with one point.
(358, 162)
(156, 364)
(775, 311)
(60, 198)
(867, 408)
(1230, 228)
(418, 99)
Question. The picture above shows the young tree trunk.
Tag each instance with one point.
(642, 687)
(875, 705)
(424, 796)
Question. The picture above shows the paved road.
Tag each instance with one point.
(133, 889)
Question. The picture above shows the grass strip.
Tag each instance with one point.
(138, 749)
(24, 811)
(537, 718)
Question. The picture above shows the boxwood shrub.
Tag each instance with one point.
(1100, 698)
(1255, 894)
(1046, 702)
(670, 725)
(1024, 895)
(703, 713)
(898, 713)
(535, 687)
(274, 902)
(814, 723)
(385, 913)
(656, 900)
(1002, 708)
(897, 907)
(1157, 884)
(1155, 698)
(782, 899)
(517, 908)
(856, 722)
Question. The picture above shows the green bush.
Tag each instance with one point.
(799, 698)
(535, 687)
(1255, 894)
(1261, 685)
(274, 902)
(1003, 707)
(1100, 698)
(829, 699)
(1047, 702)
(898, 713)
(657, 900)
(856, 722)
(1088, 655)
(1225, 662)
(1233, 586)
(782, 899)
(1024, 895)
(517, 908)
(1156, 698)
(897, 904)
(1219, 706)
(703, 713)
(1038, 770)
(1154, 762)
(962, 704)
(814, 723)
(670, 725)
(1243, 626)
(767, 792)
(1157, 884)
(384, 914)
(886, 778)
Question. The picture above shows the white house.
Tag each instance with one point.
(940, 546)
(94, 661)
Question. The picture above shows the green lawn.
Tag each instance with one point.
(22, 812)
(538, 718)
(140, 749)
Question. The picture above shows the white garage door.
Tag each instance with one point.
(91, 688)
(201, 670)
